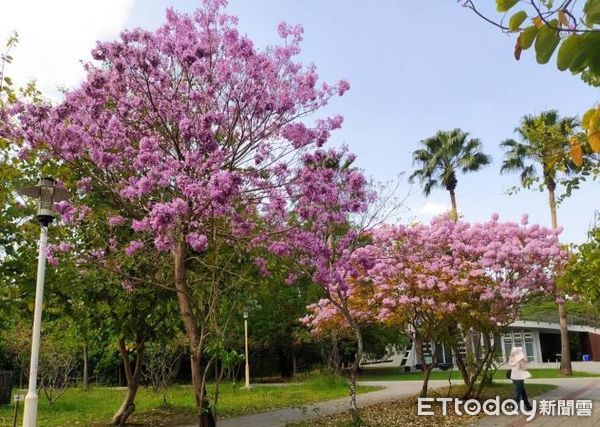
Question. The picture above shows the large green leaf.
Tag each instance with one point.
(592, 12)
(586, 55)
(594, 64)
(593, 47)
(546, 42)
(579, 61)
(528, 36)
(568, 51)
(505, 5)
(516, 20)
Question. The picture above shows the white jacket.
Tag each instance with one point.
(518, 370)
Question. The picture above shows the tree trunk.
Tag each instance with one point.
(475, 368)
(565, 359)
(133, 380)
(469, 381)
(565, 353)
(469, 346)
(418, 344)
(294, 362)
(205, 415)
(285, 364)
(487, 377)
(477, 345)
(354, 375)
(454, 213)
(127, 407)
(334, 357)
(426, 373)
(86, 385)
(552, 202)
(460, 364)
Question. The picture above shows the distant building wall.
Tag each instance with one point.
(594, 346)
(540, 342)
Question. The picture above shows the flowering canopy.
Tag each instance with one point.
(189, 139)
(452, 270)
(187, 124)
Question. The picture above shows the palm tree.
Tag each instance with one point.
(438, 161)
(442, 155)
(544, 153)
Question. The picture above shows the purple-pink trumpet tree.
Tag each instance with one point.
(430, 278)
(198, 137)
(330, 196)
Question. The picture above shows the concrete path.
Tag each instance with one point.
(281, 417)
(568, 388)
(573, 388)
(593, 367)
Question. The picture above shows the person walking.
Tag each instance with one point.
(518, 374)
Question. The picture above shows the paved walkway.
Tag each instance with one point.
(281, 417)
(593, 367)
(571, 388)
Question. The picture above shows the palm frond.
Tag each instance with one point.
(528, 173)
(475, 162)
(544, 144)
(441, 155)
(516, 156)
(429, 185)
(418, 173)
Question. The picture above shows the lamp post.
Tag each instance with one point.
(47, 193)
(247, 384)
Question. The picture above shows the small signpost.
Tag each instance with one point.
(18, 398)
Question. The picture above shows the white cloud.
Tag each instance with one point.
(430, 209)
(55, 35)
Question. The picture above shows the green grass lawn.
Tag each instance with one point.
(96, 406)
(394, 374)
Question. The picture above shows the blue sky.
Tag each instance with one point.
(415, 67)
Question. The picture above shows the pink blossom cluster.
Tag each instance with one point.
(192, 125)
(450, 269)
(71, 214)
(133, 247)
(116, 220)
(326, 194)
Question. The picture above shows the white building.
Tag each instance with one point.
(539, 336)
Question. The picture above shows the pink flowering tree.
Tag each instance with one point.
(337, 209)
(119, 284)
(337, 271)
(461, 284)
(448, 282)
(198, 138)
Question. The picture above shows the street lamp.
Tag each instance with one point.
(47, 193)
(247, 385)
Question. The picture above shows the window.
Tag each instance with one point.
(507, 338)
(519, 339)
(529, 351)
